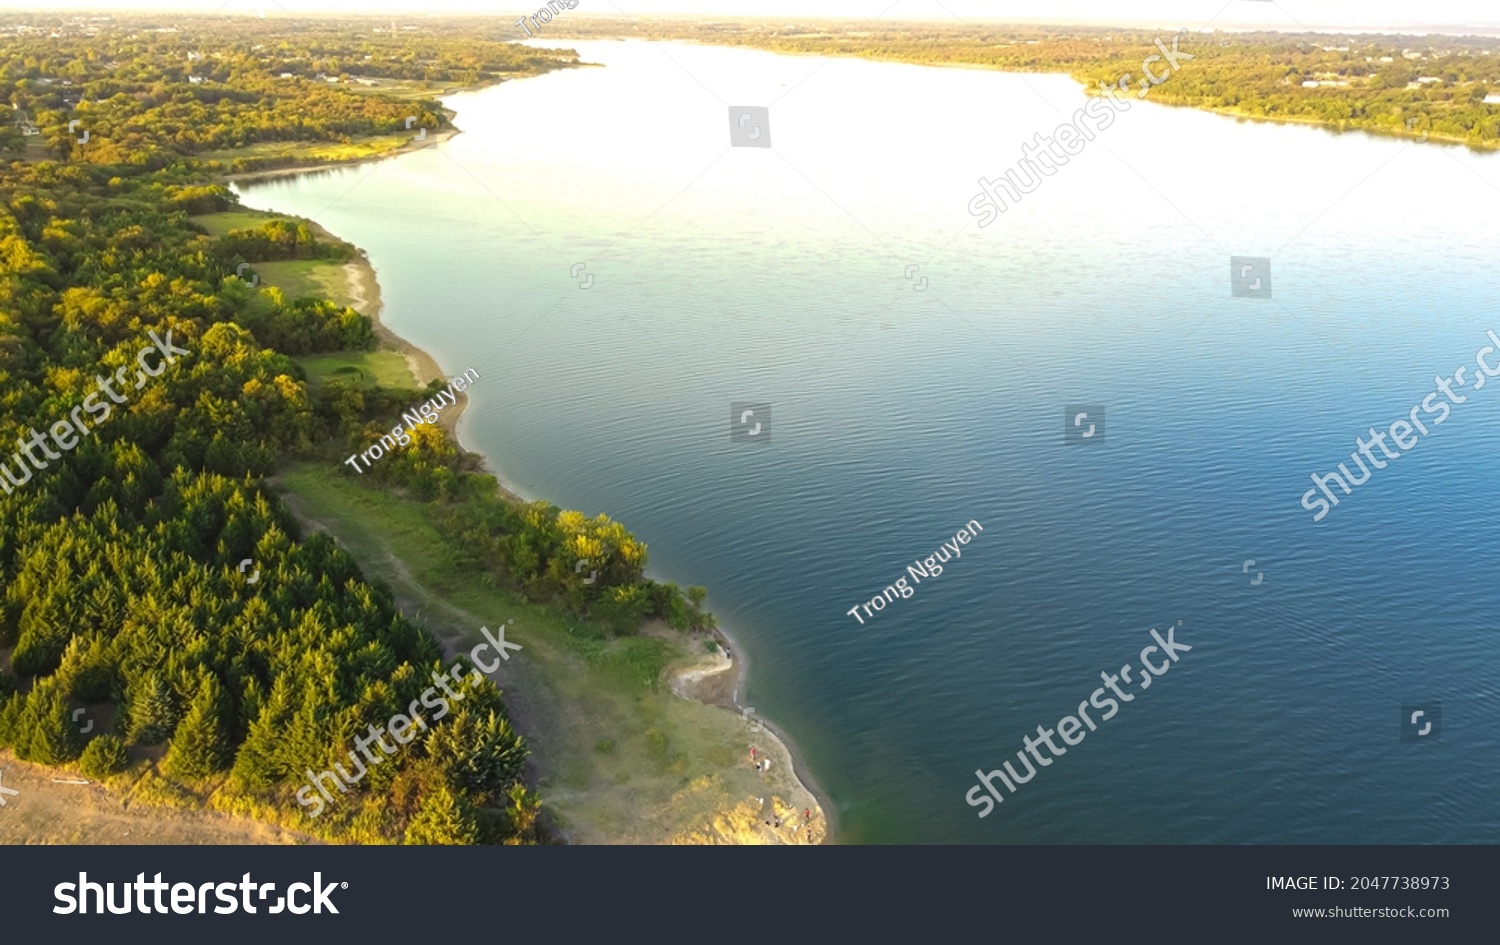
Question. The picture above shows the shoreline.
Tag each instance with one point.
(272, 172)
(687, 681)
(801, 771)
(695, 682)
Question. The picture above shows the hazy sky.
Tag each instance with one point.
(1288, 14)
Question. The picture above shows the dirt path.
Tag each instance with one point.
(450, 624)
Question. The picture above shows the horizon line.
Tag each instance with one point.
(276, 12)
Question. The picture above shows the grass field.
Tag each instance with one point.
(366, 368)
(319, 278)
(404, 88)
(217, 224)
(619, 757)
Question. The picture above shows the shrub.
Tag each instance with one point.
(104, 756)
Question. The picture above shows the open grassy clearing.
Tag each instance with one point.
(385, 368)
(217, 224)
(317, 278)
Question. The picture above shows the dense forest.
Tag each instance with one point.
(119, 551)
(1426, 87)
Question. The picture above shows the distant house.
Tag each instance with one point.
(195, 79)
(29, 130)
(286, 75)
(1310, 84)
(1492, 99)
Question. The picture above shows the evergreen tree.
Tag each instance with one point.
(104, 756)
(200, 746)
(258, 765)
(152, 715)
(12, 716)
(442, 817)
(482, 756)
(54, 735)
(524, 808)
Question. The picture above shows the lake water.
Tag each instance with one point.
(781, 276)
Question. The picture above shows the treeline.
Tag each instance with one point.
(1360, 83)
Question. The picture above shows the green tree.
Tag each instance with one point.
(524, 808)
(482, 756)
(258, 764)
(199, 748)
(104, 756)
(54, 735)
(152, 714)
(443, 818)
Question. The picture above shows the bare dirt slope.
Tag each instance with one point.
(45, 811)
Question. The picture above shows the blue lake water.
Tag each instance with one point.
(902, 410)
